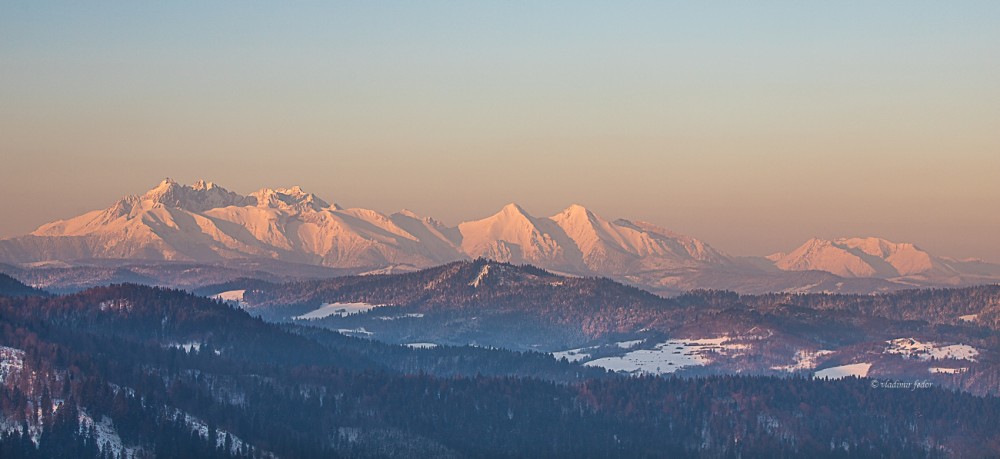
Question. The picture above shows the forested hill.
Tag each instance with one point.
(978, 304)
(950, 336)
(13, 287)
(109, 370)
(489, 285)
(458, 285)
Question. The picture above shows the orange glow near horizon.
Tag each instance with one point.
(751, 128)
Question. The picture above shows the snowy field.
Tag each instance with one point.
(804, 360)
(573, 355)
(421, 345)
(584, 353)
(629, 344)
(947, 371)
(359, 332)
(911, 348)
(337, 309)
(232, 296)
(855, 369)
(667, 357)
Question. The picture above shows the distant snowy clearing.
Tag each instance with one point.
(855, 369)
(232, 296)
(911, 348)
(337, 309)
(665, 358)
(358, 332)
(573, 355)
(804, 360)
(947, 371)
(584, 353)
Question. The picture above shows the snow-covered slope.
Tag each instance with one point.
(512, 235)
(578, 241)
(206, 223)
(872, 257)
(624, 247)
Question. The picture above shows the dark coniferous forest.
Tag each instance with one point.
(133, 371)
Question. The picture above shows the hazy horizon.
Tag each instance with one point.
(750, 127)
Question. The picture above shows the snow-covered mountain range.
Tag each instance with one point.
(872, 257)
(206, 223)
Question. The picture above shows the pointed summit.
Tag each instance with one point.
(906, 258)
(513, 209)
(288, 198)
(164, 187)
(577, 214)
(198, 198)
(201, 184)
(860, 257)
(512, 235)
(207, 223)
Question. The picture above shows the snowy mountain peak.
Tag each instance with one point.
(201, 184)
(407, 213)
(513, 209)
(860, 257)
(206, 223)
(165, 187)
(200, 197)
(575, 212)
(876, 246)
(293, 198)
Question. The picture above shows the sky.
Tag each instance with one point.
(750, 125)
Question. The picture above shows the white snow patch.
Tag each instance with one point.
(188, 346)
(107, 435)
(202, 428)
(670, 356)
(232, 296)
(573, 355)
(629, 344)
(354, 331)
(912, 348)
(421, 345)
(337, 309)
(482, 273)
(804, 288)
(11, 362)
(412, 315)
(969, 318)
(121, 304)
(949, 371)
(855, 369)
(804, 360)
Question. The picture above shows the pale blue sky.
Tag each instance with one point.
(751, 125)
